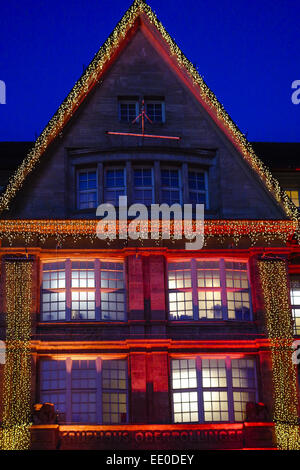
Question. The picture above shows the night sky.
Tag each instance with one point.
(247, 51)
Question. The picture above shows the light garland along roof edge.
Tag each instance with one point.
(91, 77)
(268, 230)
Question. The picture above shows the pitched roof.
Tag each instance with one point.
(140, 10)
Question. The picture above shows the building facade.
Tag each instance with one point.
(143, 344)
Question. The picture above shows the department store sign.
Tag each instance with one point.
(186, 437)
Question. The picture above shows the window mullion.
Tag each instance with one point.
(223, 289)
(99, 389)
(97, 267)
(68, 271)
(200, 389)
(229, 389)
(69, 390)
(194, 289)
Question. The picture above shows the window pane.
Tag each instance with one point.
(112, 291)
(184, 373)
(87, 189)
(295, 302)
(214, 373)
(238, 294)
(170, 186)
(83, 275)
(83, 305)
(243, 373)
(154, 111)
(115, 185)
(53, 296)
(128, 111)
(143, 186)
(215, 406)
(185, 403)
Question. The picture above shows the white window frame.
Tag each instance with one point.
(223, 289)
(200, 389)
(87, 191)
(97, 289)
(66, 417)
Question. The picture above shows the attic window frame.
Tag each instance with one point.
(128, 100)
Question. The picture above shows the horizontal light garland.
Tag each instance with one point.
(274, 275)
(91, 77)
(269, 230)
(15, 433)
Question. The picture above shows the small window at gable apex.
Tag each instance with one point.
(155, 108)
(128, 108)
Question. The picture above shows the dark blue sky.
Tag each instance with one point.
(246, 50)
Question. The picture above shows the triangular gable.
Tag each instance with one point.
(141, 13)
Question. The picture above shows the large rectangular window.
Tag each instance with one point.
(295, 302)
(207, 390)
(86, 391)
(210, 289)
(83, 291)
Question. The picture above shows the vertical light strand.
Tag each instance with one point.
(15, 433)
(274, 275)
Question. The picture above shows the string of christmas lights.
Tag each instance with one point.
(15, 433)
(274, 275)
(263, 230)
(91, 77)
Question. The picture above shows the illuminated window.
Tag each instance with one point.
(293, 194)
(143, 186)
(86, 391)
(295, 302)
(114, 185)
(211, 290)
(83, 291)
(87, 189)
(212, 390)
